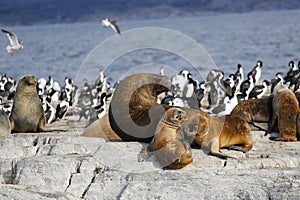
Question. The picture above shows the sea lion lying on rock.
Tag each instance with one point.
(133, 112)
(255, 111)
(27, 113)
(214, 133)
(169, 145)
(286, 110)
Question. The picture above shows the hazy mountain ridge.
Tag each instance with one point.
(49, 11)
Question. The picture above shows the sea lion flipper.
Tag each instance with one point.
(285, 139)
(151, 146)
(243, 148)
(147, 152)
(42, 123)
(215, 149)
(144, 155)
(221, 155)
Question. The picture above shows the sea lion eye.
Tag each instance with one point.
(192, 127)
(195, 127)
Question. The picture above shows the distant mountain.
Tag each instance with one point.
(61, 11)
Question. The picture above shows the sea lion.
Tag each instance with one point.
(101, 128)
(254, 110)
(169, 145)
(4, 124)
(215, 133)
(257, 112)
(286, 110)
(27, 113)
(190, 112)
(133, 112)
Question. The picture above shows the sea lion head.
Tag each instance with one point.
(176, 116)
(27, 84)
(130, 112)
(197, 126)
(279, 88)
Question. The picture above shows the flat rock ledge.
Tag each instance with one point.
(61, 164)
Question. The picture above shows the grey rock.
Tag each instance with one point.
(9, 192)
(64, 165)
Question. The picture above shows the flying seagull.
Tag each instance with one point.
(112, 23)
(15, 43)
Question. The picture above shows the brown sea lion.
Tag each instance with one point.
(286, 110)
(4, 124)
(257, 112)
(27, 113)
(254, 110)
(101, 128)
(190, 112)
(133, 112)
(215, 133)
(168, 144)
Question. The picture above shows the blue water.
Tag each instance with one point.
(61, 50)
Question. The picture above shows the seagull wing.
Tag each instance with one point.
(115, 27)
(112, 21)
(13, 39)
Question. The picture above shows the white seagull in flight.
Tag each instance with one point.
(112, 23)
(15, 43)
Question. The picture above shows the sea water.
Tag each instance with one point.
(64, 50)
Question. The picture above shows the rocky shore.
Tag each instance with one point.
(61, 164)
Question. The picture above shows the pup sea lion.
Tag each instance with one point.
(133, 112)
(4, 124)
(168, 144)
(27, 113)
(214, 133)
(286, 110)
